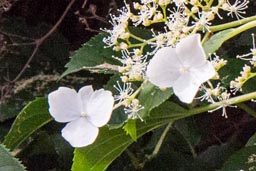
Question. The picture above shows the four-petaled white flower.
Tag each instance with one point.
(85, 111)
(183, 68)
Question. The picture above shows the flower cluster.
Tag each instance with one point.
(170, 58)
(179, 18)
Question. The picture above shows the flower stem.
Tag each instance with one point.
(242, 28)
(232, 24)
(160, 142)
(234, 100)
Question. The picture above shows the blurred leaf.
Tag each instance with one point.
(130, 128)
(111, 143)
(215, 42)
(187, 128)
(241, 160)
(8, 111)
(64, 152)
(151, 97)
(216, 155)
(117, 119)
(169, 161)
(232, 70)
(246, 39)
(251, 141)
(9, 163)
(91, 54)
(33, 116)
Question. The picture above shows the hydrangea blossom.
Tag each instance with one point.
(184, 68)
(85, 111)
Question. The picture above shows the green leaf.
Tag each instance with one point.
(9, 163)
(151, 97)
(111, 143)
(216, 41)
(92, 56)
(33, 116)
(130, 128)
(241, 160)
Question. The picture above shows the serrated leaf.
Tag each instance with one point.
(215, 42)
(151, 97)
(91, 54)
(130, 128)
(241, 160)
(111, 143)
(33, 116)
(9, 163)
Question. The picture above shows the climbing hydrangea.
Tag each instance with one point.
(170, 55)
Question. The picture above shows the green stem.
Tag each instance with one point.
(234, 100)
(232, 24)
(134, 159)
(136, 38)
(164, 12)
(192, 150)
(160, 142)
(242, 29)
(206, 37)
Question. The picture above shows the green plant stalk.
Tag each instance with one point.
(232, 24)
(135, 161)
(231, 101)
(242, 28)
(160, 142)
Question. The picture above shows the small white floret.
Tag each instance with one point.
(183, 68)
(85, 111)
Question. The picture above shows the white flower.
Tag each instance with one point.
(133, 109)
(183, 68)
(84, 111)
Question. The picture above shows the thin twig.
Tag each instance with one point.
(85, 2)
(39, 41)
(6, 89)
(160, 142)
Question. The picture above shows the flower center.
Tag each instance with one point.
(83, 114)
(184, 69)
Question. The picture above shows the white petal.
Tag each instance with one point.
(185, 88)
(163, 69)
(203, 73)
(64, 104)
(190, 51)
(100, 107)
(85, 94)
(80, 132)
